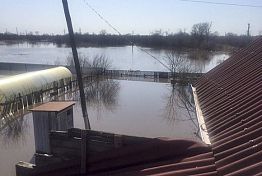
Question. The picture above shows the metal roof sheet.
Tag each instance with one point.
(230, 96)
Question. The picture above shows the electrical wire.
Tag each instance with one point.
(223, 3)
(119, 33)
(102, 18)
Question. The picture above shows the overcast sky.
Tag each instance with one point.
(140, 16)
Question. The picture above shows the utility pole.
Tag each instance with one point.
(248, 29)
(77, 65)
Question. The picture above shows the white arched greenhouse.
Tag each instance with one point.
(26, 84)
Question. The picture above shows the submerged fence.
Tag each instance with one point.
(18, 102)
(176, 77)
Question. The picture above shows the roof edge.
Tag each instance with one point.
(200, 119)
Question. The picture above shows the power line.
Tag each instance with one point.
(223, 3)
(101, 17)
(119, 33)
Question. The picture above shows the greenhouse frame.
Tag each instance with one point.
(24, 87)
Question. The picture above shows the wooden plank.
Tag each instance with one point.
(58, 133)
(107, 137)
(61, 151)
(44, 159)
(73, 143)
(61, 144)
(88, 143)
(132, 140)
(66, 152)
(118, 141)
(78, 145)
(75, 132)
(24, 169)
(67, 167)
(99, 146)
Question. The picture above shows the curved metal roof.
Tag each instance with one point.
(29, 82)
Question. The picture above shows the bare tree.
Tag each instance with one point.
(178, 64)
(103, 32)
(98, 64)
(201, 29)
(83, 61)
(102, 62)
(13, 128)
(174, 60)
(200, 33)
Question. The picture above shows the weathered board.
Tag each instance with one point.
(77, 150)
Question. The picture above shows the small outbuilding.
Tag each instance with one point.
(51, 116)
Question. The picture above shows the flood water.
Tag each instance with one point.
(121, 57)
(148, 109)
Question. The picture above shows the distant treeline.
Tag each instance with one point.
(179, 40)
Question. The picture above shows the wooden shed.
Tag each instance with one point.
(51, 116)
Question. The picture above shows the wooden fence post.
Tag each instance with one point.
(84, 151)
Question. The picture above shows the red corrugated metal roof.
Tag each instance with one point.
(230, 97)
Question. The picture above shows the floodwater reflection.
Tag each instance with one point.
(13, 128)
(180, 106)
(102, 95)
